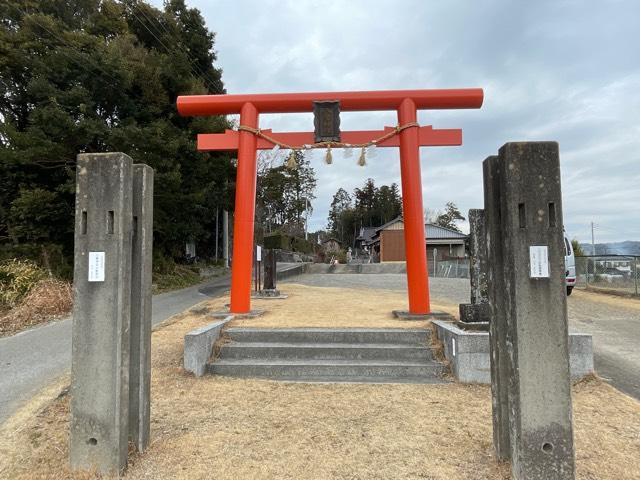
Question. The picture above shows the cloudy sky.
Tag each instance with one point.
(558, 70)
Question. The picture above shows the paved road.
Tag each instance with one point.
(614, 322)
(32, 359)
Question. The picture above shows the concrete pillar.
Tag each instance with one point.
(101, 316)
(141, 272)
(225, 238)
(479, 260)
(478, 310)
(270, 279)
(535, 304)
(498, 326)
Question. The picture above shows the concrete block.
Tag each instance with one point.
(291, 271)
(141, 268)
(474, 313)
(406, 315)
(580, 355)
(198, 346)
(534, 301)
(402, 336)
(468, 353)
(268, 294)
(102, 311)
(386, 267)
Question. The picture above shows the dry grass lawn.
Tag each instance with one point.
(49, 300)
(335, 307)
(215, 427)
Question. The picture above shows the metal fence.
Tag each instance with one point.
(451, 268)
(609, 273)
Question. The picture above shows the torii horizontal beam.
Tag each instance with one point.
(427, 137)
(198, 105)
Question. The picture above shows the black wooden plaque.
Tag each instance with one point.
(326, 120)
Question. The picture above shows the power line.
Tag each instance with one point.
(65, 44)
(179, 46)
(193, 72)
(193, 67)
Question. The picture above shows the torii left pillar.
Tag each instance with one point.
(413, 211)
(405, 102)
(246, 177)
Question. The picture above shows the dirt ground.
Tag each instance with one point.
(216, 427)
(308, 306)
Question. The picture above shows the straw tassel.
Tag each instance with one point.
(291, 161)
(328, 158)
(362, 161)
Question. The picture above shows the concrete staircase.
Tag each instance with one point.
(394, 355)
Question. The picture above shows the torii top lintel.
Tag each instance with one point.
(202, 105)
(199, 105)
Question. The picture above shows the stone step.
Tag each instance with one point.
(309, 369)
(324, 351)
(398, 336)
(355, 379)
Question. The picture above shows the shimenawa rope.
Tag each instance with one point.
(291, 162)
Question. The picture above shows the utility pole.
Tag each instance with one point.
(225, 238)
(306, 219)
(593, 243)
(217, 234)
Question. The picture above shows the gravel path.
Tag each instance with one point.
(452, 290)
(614, 322)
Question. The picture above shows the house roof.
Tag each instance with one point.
(432, 232)
(388, 224)
(331, 239)
(366, 234)
(436, 231)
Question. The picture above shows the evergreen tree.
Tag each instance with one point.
(283, 195)
(341, 214)
(102, 75)
(450, 216)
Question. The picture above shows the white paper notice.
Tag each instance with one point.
(96, 266)
(539, 261)
(258, 253)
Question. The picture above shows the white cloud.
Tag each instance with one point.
(551, 70)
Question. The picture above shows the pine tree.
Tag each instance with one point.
(450, 216)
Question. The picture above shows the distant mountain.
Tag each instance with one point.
(615, 248)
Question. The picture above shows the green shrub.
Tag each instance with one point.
(278, 241)
(302, 245)
(162, 264)
(49, 256)
(17, 278)
(282, 241)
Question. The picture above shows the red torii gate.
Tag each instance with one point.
(405, 102)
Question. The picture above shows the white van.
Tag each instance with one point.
(569, 265)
